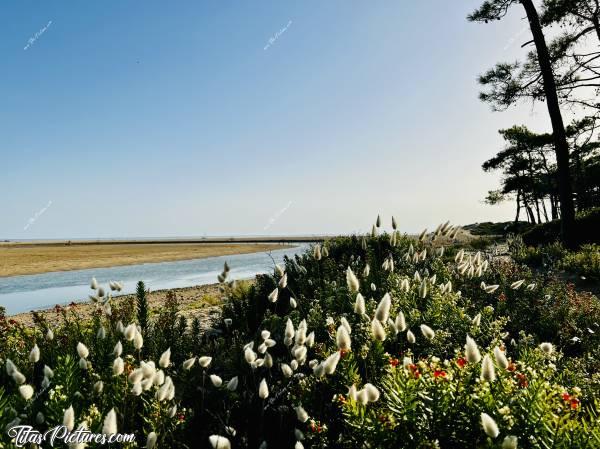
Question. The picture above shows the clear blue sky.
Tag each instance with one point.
(156, 118)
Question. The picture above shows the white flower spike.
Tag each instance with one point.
(165, 359)
(69, 418)
(472, 353)
(263, 389)
(34, 355)
(343, 339)
(488, 372)
(489, 425)
(219, 442)
(427, 332)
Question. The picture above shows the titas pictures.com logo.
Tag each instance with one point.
(23, 435)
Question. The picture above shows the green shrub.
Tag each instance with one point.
(587, 224)
(584, 262)
(438, 403)
(501, 228)
(548, 256)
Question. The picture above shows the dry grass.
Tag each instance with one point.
(16, 259)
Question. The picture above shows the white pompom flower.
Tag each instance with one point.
(488, 372)
(472, 353)
(34, 355)
(204, 361)
(263, 389)
(26, 391)
(301, 414)
(151, 440)
(352, 281)
(382, 312)
(547, 348)
(69, 418)
(343, 338)
(377, 330)
(489, 425)
(427, 332)
(500, 357)
(219, 442)
(82, 350)
(216, 380)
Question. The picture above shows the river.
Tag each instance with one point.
(41, 291)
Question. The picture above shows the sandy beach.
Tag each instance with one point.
(35, 258)
(203, 301)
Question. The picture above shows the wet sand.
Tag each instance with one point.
(36, 258)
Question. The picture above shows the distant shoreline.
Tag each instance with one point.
(36, 258)
(174, 240)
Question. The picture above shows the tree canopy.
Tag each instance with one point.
(564, 73)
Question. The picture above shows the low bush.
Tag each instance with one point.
(587, 224)
(500, 228)
(584, 262)
(545, 256)
(446, 403)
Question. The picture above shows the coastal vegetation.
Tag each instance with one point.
(379, 339)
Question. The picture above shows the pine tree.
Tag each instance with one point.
(508, 86)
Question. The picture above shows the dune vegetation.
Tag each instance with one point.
(379, 341)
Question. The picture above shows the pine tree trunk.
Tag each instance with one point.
(518, 206)
(596, 26)
(553, 207)
(537, 210)
(544, 210)
(529, 211)
(561, 146)
(577, 180)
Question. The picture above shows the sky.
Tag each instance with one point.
(192, 118)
